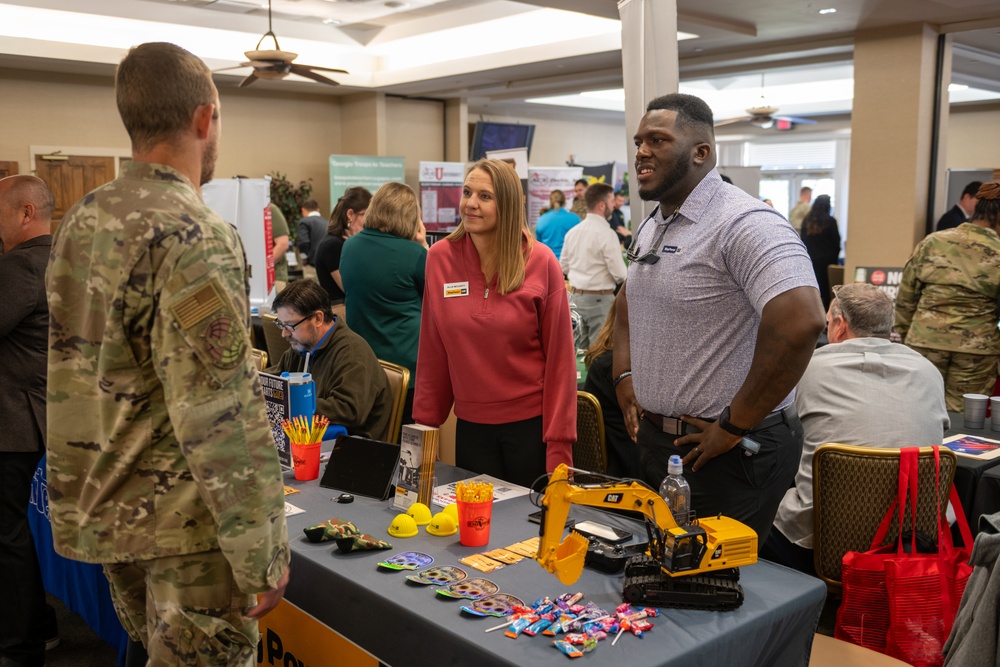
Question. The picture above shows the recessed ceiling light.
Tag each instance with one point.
(331, 22)
(828, 10)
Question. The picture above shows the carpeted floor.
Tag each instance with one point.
(78, 645)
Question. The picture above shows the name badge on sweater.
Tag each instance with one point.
(452, 290)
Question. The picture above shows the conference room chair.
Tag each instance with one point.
(830, 652)
(589, 451)
(259, 359)
(340, 311)
(399, 378)
(852, 489)
(276, 345)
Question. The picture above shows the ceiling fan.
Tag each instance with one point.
(765, 116)
(273, 64)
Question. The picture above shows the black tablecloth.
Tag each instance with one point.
(406, 624)
(970, 472)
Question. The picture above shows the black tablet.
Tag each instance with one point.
(361, 466)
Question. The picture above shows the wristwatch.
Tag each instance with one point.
(726, 426)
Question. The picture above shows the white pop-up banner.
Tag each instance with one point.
(245, 203)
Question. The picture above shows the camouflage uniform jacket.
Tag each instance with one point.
(948, 296)
(158, 442)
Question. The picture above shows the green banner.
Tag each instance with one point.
(368, 171)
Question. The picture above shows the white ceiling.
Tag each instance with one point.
(498, 53)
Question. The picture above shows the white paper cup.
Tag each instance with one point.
(975, 410)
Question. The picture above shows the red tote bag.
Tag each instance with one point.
(925, 591)
(899, 603)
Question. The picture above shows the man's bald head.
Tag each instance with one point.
(26, 206)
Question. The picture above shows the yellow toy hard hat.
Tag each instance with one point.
(452, 510)
(421, 513)
(442, 525)
(403, 526)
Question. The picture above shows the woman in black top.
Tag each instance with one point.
(347, 219)
(822, 238)
(623, 457)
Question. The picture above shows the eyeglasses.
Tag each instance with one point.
(651, 256)
(290, 327)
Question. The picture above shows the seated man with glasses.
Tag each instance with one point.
(860, 390)
(351, 387)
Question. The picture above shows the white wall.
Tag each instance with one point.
(562, 133)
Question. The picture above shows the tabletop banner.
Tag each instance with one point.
(289, 636)
(277, 401)
(441, 194)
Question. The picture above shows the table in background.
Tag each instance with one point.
(82, 587)
(407, 624)
(970, 472)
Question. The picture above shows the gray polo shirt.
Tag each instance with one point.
(693, 316)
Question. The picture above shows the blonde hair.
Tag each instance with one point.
(511, 241)
(393, 210)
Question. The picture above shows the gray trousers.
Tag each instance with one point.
(593, 308)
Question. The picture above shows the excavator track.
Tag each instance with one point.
(646, 584)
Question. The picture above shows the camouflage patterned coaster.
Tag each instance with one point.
(332, 529)
(361, 543)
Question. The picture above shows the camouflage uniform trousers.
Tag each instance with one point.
(963, 373)
(186, 610)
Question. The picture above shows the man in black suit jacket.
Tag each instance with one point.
(961, 211)
(26, 205)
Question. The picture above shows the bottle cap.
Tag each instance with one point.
(675, 466)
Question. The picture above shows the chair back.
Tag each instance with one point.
(589, 451)
(276, 345)
(340, 311)
(852, 489)
(259, 359)
(399, 378)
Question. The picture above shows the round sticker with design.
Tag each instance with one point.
(226, 342)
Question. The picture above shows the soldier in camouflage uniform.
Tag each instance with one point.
(161, 463)
(947, 305)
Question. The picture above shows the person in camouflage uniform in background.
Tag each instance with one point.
(947, 306)
(161, 463)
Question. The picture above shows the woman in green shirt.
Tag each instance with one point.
(382, 268)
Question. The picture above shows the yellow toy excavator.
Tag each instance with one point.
(690, 566)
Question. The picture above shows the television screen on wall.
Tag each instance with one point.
(491, 136)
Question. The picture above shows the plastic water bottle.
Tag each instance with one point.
(675, 491)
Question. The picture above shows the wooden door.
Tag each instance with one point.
(70, 177)
(8, 168)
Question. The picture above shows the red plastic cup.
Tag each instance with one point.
(474, 522)
(305, 461)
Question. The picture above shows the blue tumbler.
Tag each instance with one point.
(301, 395)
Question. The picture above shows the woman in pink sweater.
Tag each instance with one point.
(496, 338)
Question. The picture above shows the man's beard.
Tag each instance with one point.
(208, 162)
(675, 172)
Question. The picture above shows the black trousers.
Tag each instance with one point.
(745, 488)
(779, 549)
(514, 452)
(26, 620)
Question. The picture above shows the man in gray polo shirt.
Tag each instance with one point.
(716, 324)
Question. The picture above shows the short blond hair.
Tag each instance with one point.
(394, 210)
(158, 87)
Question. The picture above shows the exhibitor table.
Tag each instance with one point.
(970, 471)
(408, 625)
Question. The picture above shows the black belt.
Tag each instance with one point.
(674, 425)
